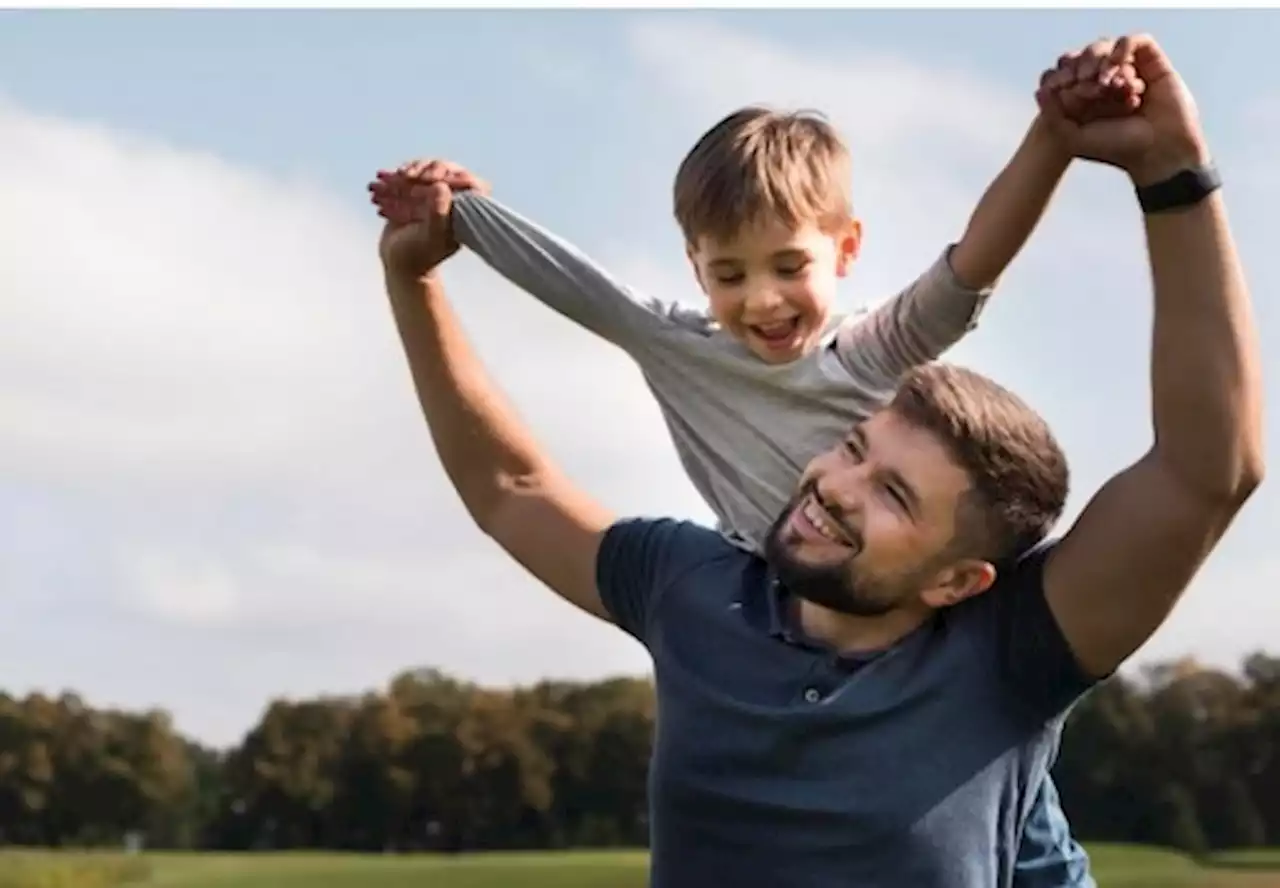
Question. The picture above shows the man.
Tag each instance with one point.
(876, 700)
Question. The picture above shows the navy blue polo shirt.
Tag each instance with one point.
(778, 762)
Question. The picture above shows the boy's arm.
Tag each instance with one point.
(557, 274)
(941, 306)
(1010, 209)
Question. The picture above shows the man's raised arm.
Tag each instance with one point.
(1120, 570)
(512, 490)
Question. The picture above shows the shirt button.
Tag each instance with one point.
(811, 695)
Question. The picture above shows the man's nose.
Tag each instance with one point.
(843, 490)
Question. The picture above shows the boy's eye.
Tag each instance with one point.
(792, 270)
(729, 280)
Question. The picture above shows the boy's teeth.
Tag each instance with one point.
(773, 330)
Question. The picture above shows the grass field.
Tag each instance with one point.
(1114, 867)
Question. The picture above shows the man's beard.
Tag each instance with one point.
(835, 586)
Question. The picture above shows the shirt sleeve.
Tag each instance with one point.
(916, 326)
(1034, 658)
(638, 560)
(557, 274)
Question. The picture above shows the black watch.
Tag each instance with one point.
(1180, 190)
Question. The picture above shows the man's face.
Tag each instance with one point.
(869, 530)
(772, 286)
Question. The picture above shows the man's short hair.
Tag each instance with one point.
(1018, 471)
(759, 163)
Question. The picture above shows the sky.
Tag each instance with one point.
(215, 484)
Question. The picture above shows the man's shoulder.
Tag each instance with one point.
(1018, 634)
(1019, 581)
(665, 551)
(642, 560)
(1026, 570)
(673, 541)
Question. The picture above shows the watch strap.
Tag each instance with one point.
(1183, 189)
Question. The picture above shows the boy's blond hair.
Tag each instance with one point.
(758, 163)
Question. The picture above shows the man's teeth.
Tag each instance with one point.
(815, 516)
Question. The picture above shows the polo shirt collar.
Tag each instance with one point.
(784, 623)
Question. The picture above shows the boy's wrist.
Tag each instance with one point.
(1044, 141)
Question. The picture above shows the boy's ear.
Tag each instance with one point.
(691, 254)
(848, 244)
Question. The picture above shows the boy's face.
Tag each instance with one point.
(772, 286)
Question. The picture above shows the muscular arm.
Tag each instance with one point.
(928, 317)
(512, 490)
(1120, 570)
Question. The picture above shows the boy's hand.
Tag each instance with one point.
(416, 199)
(1159, 137)
(1090, 84)
(395, 192)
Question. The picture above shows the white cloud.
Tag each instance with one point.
(167, 313)
(198, 363)
(895, 102)
(199, 591)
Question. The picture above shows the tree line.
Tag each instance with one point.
(1180, 755)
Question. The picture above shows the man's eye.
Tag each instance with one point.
(896, 495)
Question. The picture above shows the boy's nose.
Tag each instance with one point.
(762, 300)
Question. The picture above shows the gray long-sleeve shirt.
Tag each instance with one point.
(744, 430)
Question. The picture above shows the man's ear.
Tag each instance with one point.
(959, 581)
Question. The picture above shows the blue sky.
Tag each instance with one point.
(214, 484)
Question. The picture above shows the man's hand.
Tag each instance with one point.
(1159, 135)
(416, 199)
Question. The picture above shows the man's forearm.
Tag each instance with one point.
(1010, 209)
(1206, 375)
(483, 446)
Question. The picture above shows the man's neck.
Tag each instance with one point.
(856, 635)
